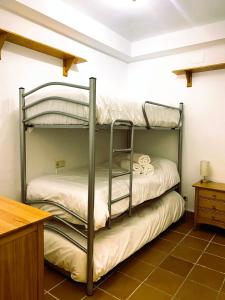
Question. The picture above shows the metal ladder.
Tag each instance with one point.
(129, 149)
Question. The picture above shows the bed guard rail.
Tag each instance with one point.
(56, 227)
(25, 107)
(70, 212)
(129, 149)
(57, 223)
(180, 109)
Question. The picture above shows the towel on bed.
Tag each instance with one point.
(142, 159)
(141, 163)
(148, 169)
(137, 168)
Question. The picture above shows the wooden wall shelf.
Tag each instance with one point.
(188, 71)
(67, 58)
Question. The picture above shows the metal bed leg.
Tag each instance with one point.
(22, 145)
(131, 169)
(180, 142)
(110, 176)
(91, 184)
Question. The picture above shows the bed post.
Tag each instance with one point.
(180, 142)
(91, 184)
(22, 145)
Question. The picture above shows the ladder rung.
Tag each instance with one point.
(120, 198)
(123, 150)
(124, 124)
(120, 174)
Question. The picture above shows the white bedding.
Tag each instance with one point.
(71, 190)
(108, 109)
(114, 245)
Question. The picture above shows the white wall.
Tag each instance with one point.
(177, 41)
(204, 107)
(46, 146)
(23, 67)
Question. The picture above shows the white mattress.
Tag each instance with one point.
(71, 190)
(114, 245)
(108, 109)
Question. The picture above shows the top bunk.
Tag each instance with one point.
(65, 105)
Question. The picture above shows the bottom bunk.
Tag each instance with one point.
(70, 189)
(115, 245)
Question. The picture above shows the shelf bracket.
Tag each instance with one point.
(67, 64)
(3, 36)
(188, 75)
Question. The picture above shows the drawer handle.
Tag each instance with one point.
(213, 207)
(214, 196)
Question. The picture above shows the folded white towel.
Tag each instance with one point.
(148, 169)
(142, 159)
(125, 164)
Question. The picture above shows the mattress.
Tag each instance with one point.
(107, 109)
(114, 245)
(71, 190)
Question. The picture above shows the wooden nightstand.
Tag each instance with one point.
(210, 203)
(21, 251)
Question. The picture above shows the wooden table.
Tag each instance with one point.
(210, 203)
(21, 251)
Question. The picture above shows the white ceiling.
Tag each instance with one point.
(140, 19)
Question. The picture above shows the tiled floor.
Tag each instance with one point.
(180, 264)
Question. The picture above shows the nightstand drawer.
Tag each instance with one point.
(213, 215)
(211, 194)
(212, 204)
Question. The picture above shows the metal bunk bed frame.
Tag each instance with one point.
(89, 233)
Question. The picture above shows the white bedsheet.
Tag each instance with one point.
(108, 109)
(71, 190)
(114, 245)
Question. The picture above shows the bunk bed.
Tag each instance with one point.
(82, 109)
